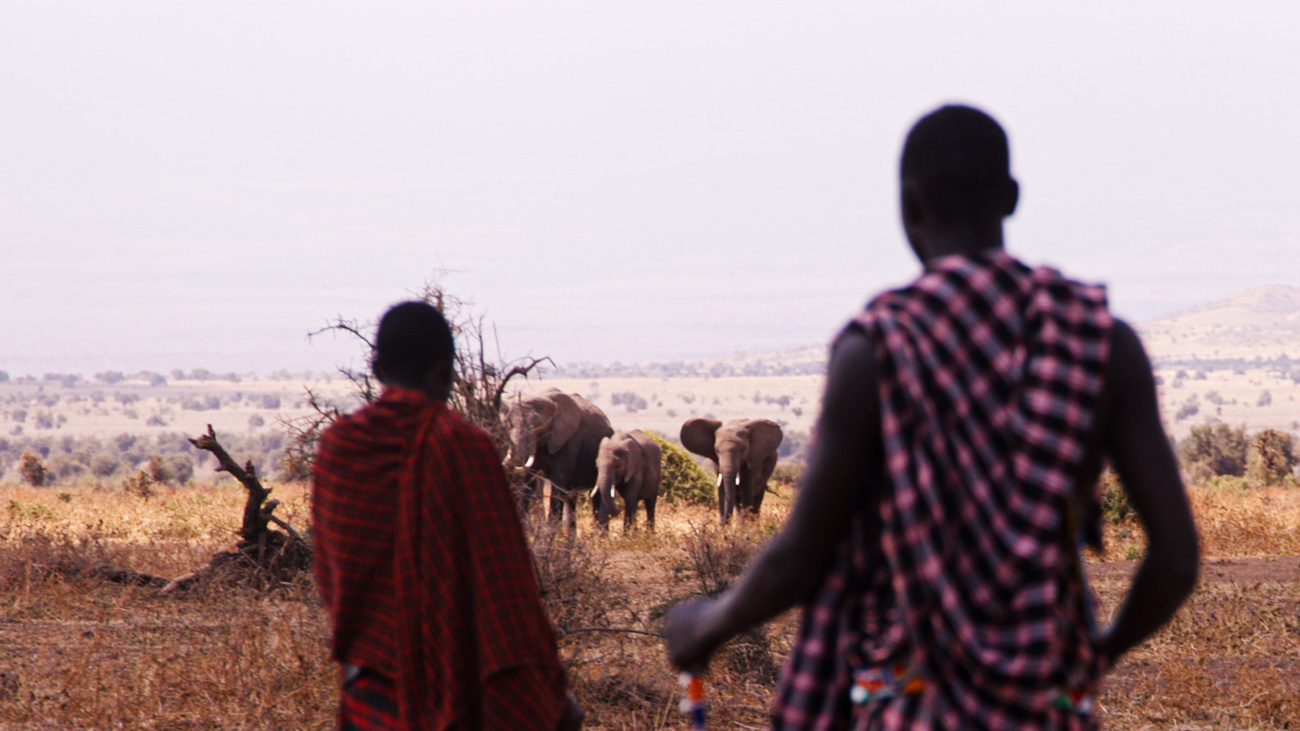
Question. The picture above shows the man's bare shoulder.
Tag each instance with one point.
(1128, 366)
(852, 399)
(853, 353)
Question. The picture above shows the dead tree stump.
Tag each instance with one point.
(263, 555)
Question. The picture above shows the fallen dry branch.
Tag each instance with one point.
(262, 554)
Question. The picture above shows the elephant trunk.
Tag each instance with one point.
(523, 449)
(603, 494)
(728, 488)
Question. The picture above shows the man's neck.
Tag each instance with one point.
(434, 392)
(961, 240)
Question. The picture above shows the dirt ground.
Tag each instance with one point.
(1230, 658)
(80, 653)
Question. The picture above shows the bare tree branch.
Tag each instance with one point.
(253, 525)
(479, 383)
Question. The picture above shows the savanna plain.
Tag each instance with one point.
(80, 651)
(84, 646)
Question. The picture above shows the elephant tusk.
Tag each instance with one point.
(719, 479)
(611, 492)
(595, 491)
(529, 463)
(737, 479)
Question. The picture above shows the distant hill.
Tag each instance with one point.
(1259, 326)
(808, 360)
(1261, 323)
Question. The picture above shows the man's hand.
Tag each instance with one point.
(684, 635)
(573, 714)
(841, 477)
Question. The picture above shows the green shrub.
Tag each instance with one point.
(182, 468)
(141, 485)
(794, 446)
(1218, 448)
(29, 511)
(787, 472)
(159, 469)
(64, 467)
(683, 480)
(32, 468)
(1271, 458)
(1115, 507)
(104, 465)
(1227, 484)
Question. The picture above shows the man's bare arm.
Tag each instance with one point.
(1139, 450)
(841, 471)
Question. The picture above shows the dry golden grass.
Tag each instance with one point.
(78, 652)
(1234, 520)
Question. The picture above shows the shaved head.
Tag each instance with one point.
(414, 339)
(956, 160)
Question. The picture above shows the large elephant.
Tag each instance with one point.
(629, 465)
(744, 451)
(556, 435)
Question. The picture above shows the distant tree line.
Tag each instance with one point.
(155, 378)
(1283, 366)
(688, 369)
(167, 458)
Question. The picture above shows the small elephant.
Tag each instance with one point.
(556, 435)
(744, 451)
(630, 463)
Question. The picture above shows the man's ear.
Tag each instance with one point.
(446, 372)
(378, 371)
(1013, 197)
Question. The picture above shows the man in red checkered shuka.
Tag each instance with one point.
(935, 541)
(421, 561)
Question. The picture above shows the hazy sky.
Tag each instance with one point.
(201, 183)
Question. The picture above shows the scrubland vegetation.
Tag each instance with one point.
(77, 651)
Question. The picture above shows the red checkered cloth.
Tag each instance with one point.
(990, 375)
(368, 703)
(422, 564)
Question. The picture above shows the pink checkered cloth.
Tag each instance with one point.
(990, 375)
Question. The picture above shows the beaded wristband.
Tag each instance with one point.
(693, 703)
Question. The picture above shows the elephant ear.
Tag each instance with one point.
(700, 437)
(764, 438)
(635, 457)
(568, 417)
(542, 406)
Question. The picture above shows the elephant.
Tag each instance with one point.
(744, 451)
(556, 435)
(630, 463)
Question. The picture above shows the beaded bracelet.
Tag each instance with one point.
(693, 703)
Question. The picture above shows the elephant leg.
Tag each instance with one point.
(629, 509)
(650, 514)
(756, 504)
(760, 483)
(745, 491)
(570, 499)
(557, 503)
